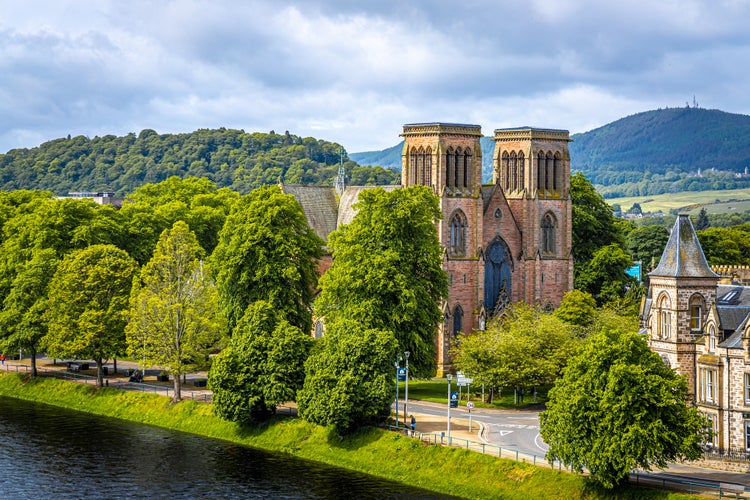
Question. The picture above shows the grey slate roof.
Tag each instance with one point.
(319, 204)
(349, 198)
(683, 256)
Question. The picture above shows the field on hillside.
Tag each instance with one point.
(716, 202)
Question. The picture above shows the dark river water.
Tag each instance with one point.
(48, 452)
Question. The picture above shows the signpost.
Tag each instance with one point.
(470, 406)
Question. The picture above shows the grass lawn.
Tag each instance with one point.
(436, 390)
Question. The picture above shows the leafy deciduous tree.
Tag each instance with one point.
(525, 347)
(386, 271)
(88, 303)
(577, 308)
(619, 407)
(348, 377)
(262, 367)
(174, 319)
(267, 251)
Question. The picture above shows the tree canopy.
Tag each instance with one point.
(387, 271)
(268, 252)
(525, 347)
(174, 320)
(349, 377)
(262, 367)
(88, 303)
(619, 407)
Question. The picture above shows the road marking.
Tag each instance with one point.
(537, 440)
(504, 433)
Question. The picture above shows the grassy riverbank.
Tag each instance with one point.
(373, 451)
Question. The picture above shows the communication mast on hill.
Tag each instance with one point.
(340, 181)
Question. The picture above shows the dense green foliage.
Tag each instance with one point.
(525, 347)
(349, 377)
(726, 245)
(619, 407)
(646, 243)
(174, 320)
(387, 271)
(88, 303)
(660, 151)
(267, 251)
(577, 308)
(230, 158)
(262, 367)
(594, 225)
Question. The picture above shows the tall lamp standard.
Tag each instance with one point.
(449, 376)
(406, 390)
(396, 365)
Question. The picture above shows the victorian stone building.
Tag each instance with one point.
(504, 242)
(700, 325)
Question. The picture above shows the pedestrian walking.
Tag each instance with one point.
(413, 425)
(2, 358)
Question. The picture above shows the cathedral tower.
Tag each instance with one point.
(448, 158)
(532, 166)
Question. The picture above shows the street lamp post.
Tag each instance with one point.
(406, 389)
(396, 365)
(449, 376)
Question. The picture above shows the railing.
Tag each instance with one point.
(737, 455)
(692, 486)
(202, 396)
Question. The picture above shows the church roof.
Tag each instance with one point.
(683, 256)
(349, 198)
(319, 204)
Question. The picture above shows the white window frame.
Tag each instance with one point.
(695, 317)
(747, 389)
(708, 385)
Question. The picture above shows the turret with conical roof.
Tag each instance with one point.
(681, 290)
(683, 256)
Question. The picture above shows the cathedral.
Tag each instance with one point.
(508, 241)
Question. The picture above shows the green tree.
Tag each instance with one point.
(646, 243)
(594, 225)
(619, 407)
(387, 273)
(267, 251)
(22, 319)
(174, 319)
(526, 347)
(348, 377)
(577, 308)
(88, 303)
(262, 367)
(604, 276)
(702, 222)
(726, 245)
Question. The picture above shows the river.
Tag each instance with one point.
(50, 452)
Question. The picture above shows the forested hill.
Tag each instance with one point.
(661, 151)
(230, 158)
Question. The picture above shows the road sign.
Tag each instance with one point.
(454, 400)
(470, 405)
(463, 380)
(401, 374)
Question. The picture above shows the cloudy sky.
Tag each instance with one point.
(354, 72)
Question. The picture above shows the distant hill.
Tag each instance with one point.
(231, 158)
(653, 152)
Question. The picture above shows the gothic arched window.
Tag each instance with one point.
(556, 168)
(504, 170)
(467, 167)
(548, 173)
(458, 234)
(540, 164)
(696, 313)
(427, 172)
(548, 234)
(450, 167)
(520, 160)
(513, 172)
(458, 320)
(413, 166)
